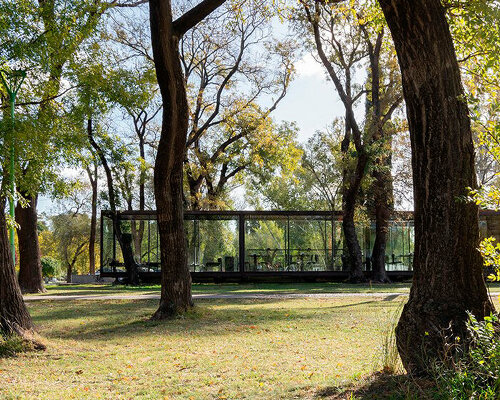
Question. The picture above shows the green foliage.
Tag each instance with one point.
(477, 42)
(51, 267)
(312, 184)
(491, 257)
(476, 373)
(46, 39)
(71, 236)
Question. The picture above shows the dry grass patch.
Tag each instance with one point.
(234, 349)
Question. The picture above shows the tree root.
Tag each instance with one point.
(170, 311)
(29, 337)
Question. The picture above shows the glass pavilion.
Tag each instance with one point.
(253, 245)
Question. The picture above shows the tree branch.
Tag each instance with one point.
(128, 4)
(192, 17)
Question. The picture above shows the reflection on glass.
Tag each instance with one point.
(399, 250)
(310, 244)
(212, 245)
(288, 243)
(107, 254)
(295, 243)
(265, 244)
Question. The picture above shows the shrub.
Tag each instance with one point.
(476, 373)
(50, 267)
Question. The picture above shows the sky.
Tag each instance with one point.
(311, 101)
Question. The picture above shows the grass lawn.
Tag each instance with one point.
(224, 349)
(248, 288)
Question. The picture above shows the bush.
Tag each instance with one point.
(476, 373)
(50, 267)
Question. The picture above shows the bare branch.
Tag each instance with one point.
(197, 14)
(128, 4)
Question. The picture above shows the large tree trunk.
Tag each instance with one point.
(69, 273)
(14, 316)
(354, 255)
(168, 172)
(447, 278)
(30, 266)
(125, 241)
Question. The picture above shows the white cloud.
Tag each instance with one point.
(307, 66)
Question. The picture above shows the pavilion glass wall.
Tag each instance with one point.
(399, 250)
(271, 243)
(212, 243)
(107, 244)
(400, 246)
(143, 232)
(288, 243)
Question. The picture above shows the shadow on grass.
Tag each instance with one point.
(231, 288)
(97, 289)
(96, 321)
(382, 386)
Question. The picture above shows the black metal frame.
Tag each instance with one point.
(241, 216)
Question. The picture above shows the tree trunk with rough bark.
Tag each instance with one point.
(30, 265)
(354, 255)
(69, 273)
(14, 316)
(168, 174)
(350, 189)
(448, 279)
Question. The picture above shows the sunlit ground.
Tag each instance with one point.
(224, 349)
(231, 349)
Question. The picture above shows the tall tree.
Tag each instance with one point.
(135, 92)
(343, 37)
(229, 79)
(105, 91)
(71, 233)
(447, 278)
(124, 238)
(14, 316)
(44, 41)
(168, 171)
